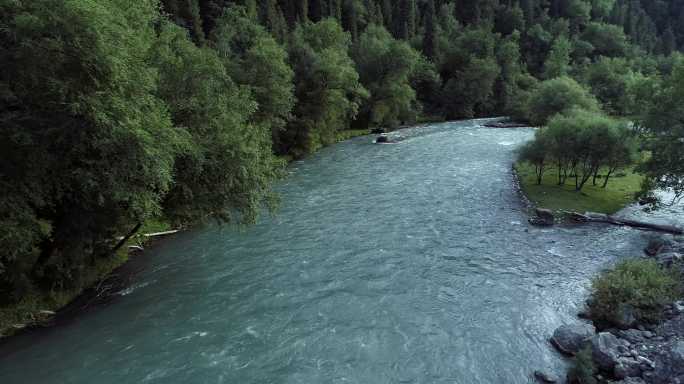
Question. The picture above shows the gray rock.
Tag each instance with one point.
(627, 367)
(669, 365)
(678, 307)
(656, 246)
(571, 338)
(631, 380)
(606, 350)
(631, 335)
(645, 364)
(544, 377)
(543, 218)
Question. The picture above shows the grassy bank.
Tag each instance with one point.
(619, 192)
(36, 306)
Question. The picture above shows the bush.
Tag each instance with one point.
(559, 95)
(583, 369)
(641, 285)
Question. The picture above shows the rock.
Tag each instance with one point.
(626, 367)
(645, 364)
(606, 350)
(656, 245)
(678, 307)
(545, 216)
(571, 338)
(631, 380)
(669, 365)
(646, 200)
(631, 335)
(544, 377)
(647, 334)
(382, 139)
(584, 314)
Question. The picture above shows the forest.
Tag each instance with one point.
(114, 113)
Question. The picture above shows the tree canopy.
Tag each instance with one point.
(116, 112)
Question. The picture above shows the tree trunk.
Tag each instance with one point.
(540, 174)
(605, 182)
(123, 241)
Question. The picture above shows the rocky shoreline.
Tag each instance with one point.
(632, 352)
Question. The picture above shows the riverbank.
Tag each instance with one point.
(39, 308)
(619, 192)
(634, 328)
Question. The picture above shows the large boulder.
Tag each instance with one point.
(545, 377)
(627, 367)
(544, 217)
(571, 338)
(631, 380)
(669, 366)
(657, 245)
(606, 349)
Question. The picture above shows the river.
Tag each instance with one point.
(403, 263)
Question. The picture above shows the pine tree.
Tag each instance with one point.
(350, 19)
(669, 43)
(316, 10)
(387, 13)
(302, 10)
(429, 35)
(275, 20)
(528, 9)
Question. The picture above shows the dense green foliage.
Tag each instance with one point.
(662, 122)
(639, 285)
(115, 112)
(579, 144)
(583, 368)
(558, 95)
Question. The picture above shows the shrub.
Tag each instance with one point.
(583, 369)
(559, 95)
(641, 285)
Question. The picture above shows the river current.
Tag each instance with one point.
(403, 263)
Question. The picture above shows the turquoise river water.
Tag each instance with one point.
(404, 263)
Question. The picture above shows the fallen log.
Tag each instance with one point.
(593, 217)
(157, 234)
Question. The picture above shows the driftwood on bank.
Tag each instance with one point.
(593, 217)
(157, 234)
(502, 124)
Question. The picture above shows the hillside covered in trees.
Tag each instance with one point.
(117, 112)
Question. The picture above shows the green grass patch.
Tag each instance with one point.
(28, 311)
(620, 191)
